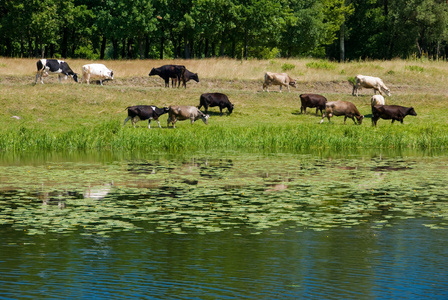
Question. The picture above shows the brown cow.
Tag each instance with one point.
(342, 108)
(394, 112)
(180, 113)
(312, 100)
(281, 79)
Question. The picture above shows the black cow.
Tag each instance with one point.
(145, 112)
(185, 78)
(394, 112)
(312, 100)
(167, 72)
(215, 99)
(47, 67)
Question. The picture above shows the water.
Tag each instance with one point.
(253, 226)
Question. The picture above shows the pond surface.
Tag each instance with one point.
(227, 226)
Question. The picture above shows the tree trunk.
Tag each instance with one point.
(103, 47)
(342, 43)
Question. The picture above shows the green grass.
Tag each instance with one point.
(69, 116)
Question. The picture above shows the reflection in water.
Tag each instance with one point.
(236, 226)
(97, 192)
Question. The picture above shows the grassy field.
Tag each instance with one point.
(74, 116)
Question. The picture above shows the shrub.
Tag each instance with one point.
(322, 64)
(414, 68)
(287, 67)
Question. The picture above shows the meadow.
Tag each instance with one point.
(71, 116)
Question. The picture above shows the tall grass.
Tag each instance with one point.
(269, 138)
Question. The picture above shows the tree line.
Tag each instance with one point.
(130, 29)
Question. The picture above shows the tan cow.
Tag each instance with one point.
(281, 79)
(342, 108)
(180, 113)
(377, 100)
(370, 82)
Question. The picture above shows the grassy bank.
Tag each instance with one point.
(74, 116)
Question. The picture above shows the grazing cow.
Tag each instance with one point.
(215, 99)
(312, 100)
(342, 108)
(96, 72)
(185, 78)
(377, 100)
(145, 112)
(167, 72)
(180, 113)
(281, 79)
(370, 82)
(394, 112)
(47, 67)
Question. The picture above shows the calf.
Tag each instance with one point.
(342, 108)
(185, 78)
(96, 72)
(377, 100)
(370, 82)
(180, 113)
(281, 79)
(47, 67)
(394, 112)
(145, 112)
(167, 72)
(312, 100)
(215, 99)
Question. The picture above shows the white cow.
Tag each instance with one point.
(281, 79)
(377, 100)
(96, 72)
(370, 82)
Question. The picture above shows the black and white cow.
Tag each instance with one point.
(47, 67)
(145, 112)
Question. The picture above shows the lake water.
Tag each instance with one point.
(227, 226)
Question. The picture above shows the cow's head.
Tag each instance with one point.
(153, 72)
(293, 83)
(387, 91)
(111, 74)
(412, 112)
(359, 118)
(230, 108)
(195, 77)
(204, 118)
(75, 77)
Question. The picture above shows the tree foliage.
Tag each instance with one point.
(113, 29)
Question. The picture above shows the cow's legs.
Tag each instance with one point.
(127, 119)
(149, 123)
(345, 118)
(158, 122)
(37, 76)
(59, 76)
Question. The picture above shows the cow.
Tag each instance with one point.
(167, 72)
(215, 99)
(180, 113)
(394, 112)
(370, 82)
(145, 112)
(47, 67)
(185, 78)
(377, 100)
(96, 72)
(281, 79)
(342, 108)
(312, 100)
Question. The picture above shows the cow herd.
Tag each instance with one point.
(178, 74)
